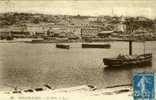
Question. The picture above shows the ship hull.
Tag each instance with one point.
(139, 60)
(95, 45)
(62, 46)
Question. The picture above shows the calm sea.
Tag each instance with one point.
(25, 65)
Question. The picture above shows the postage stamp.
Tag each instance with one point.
(143, 86)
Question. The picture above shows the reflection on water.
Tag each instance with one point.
(32, 65)
(119, 75)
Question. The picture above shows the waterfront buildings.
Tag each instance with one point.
(68, 26)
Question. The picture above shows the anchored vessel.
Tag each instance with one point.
(91, 45)
(63, 46)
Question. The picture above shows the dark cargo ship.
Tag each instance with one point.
(96, 45)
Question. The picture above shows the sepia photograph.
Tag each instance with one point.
(77, 49)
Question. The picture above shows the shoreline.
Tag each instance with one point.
(83, 92)
(77, 41)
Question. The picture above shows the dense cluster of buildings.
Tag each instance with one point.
(73, 28)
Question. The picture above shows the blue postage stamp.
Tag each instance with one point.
(143, 86)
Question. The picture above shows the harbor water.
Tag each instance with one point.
(26, 65)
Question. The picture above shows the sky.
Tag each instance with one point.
(144, 8)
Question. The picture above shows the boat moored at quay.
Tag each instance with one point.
(95, 45)
(63, 46)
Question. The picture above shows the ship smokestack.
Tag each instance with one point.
(130, 47)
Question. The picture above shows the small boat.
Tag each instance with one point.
(38, 89)
(91, 45)
(29, 90)
(63, 46)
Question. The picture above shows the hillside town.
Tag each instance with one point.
(75, 28)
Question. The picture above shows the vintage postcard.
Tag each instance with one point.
(77, 49)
